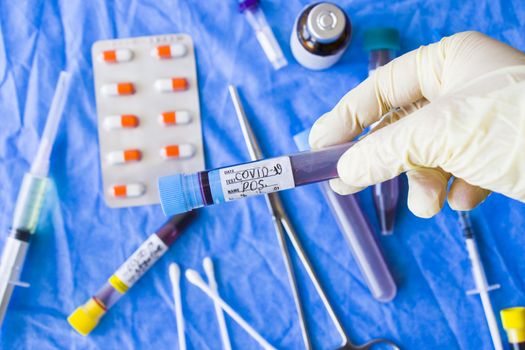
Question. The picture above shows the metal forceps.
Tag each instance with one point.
(283, 228)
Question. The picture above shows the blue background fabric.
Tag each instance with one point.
(81, 241)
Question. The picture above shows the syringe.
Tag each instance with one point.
(480, 279)
(30, 200)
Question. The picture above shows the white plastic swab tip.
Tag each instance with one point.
(194, 278)
(207, 263)
(174, 271)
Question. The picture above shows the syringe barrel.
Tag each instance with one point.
(29, 203)
(182, 192)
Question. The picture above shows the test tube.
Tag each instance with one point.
(86, 317)
(359, 235)
(513, 320)
(382, 44)
(182, 192)
(263, 32)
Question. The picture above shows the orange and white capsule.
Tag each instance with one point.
(115, 56)
(183, 150)
(175, 117)
(124, 121)
(169, 51)
(127, 191)
(173, 84)
(126, 156)
(118, 89)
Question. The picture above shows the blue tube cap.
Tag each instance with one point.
(382, 38)
(171, 193)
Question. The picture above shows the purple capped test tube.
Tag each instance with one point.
(382, 44)
(182, 192)
(359, 235)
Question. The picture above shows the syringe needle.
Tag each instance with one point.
(480, 279)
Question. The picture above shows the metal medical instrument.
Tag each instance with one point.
(30, 200)
(480, 279)
(279, 218)
(283, 223)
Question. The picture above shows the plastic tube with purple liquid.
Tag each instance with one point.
(182, 192)
(359, 235)
(382, 44)
(86, 317)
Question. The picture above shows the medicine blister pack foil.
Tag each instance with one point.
(148, 111)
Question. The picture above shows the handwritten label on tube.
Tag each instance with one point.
(141, 260)
(264, 176)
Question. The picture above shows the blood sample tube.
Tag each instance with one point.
(359, 235)
(182, 192)
(382, 43)
(86, 317)
(513, 320)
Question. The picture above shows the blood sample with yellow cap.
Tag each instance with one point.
(513, 320)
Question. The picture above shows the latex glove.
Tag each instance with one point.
(469, 122)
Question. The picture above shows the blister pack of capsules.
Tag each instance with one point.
(148, 115)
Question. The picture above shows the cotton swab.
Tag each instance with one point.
(195, 279)
(207, 263)
(174, 272)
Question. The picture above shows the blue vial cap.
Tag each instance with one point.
(382, 38)
(171, 192)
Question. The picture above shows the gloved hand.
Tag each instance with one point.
(464, 117)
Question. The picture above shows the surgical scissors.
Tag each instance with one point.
(284, 228)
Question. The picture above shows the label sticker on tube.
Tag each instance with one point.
(141, 260)
(264, 176)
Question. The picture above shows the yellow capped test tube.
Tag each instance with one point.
(513, 320)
